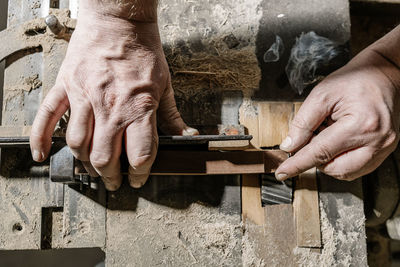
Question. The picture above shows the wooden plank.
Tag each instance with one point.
(274, 120)
(250, 122)
(231, 145)
(252, 209)
(213, 162)
(280, 239)
(306, 210)
(306, 204)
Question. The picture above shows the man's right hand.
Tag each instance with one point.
(360, 105)
(116, 81)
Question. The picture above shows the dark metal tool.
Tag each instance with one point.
(275, 192)
(163, 140)
(178, 155)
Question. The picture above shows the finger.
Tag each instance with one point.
(50, 112)
(311, 114)
(332, 141)
(352, 164)
(141, 141)
(105, 153)
(79, 134)
(169, 118)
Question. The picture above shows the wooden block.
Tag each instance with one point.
(252, 209)
(208, 162)
(274, 120)
(228, 145)
(185, 162)
(250, 122)
(280, 236)
(306, 210)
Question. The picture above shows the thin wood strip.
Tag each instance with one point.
(228, 145)
(306, 210)
(252, 209)
(274, 120)
(250, 122)
(212, 162)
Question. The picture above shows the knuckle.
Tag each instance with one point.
(322, 154)
(146, 101)
(300, 123)
(100, 160)
(370, 123)
(47, 109)
(143, 161)
(75, 143)
(391, 139)
(337, 174)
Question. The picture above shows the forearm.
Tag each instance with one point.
(132, 10)
(388, 47)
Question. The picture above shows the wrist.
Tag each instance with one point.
(387, 48)
(130, 10)
(101, 27)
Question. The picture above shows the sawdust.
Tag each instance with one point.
(334, 238)
(227, 69)
(27, 84)
(249, 254)
(198, 235)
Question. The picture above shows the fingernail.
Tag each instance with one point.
(281, 176)
(89, 168)
(190, 132)
(137, 181)
(286, 144)
(112, 183)
(36, 155)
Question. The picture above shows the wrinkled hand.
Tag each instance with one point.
(115, 80)
(349, 123)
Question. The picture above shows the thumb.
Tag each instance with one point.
(169, 118)
(310, 116)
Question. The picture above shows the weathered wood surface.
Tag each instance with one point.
(306, 210)
(188, 220)
(252, 209)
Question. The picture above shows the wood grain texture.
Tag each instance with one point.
(250, 122)
(280, 238)
(252, 209)
(306, 210)
(231, 145)
(213, 162)
(274, 118)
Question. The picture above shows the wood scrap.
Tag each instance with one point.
(306, 210)
(252, 209)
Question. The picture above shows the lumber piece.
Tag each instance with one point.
(274, 120)
(306, 210)
(228, 145)
(212, 162)
(250, 122)
(252, 209)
